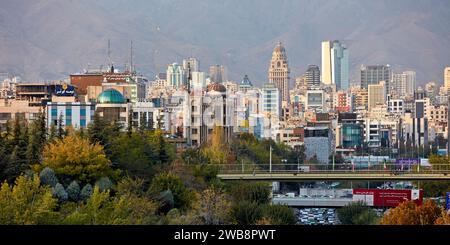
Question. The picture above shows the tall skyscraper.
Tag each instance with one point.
(176, 75)
(447, 78)
(279, 71)
(312, 76)
(404, 83)
(335, 64)
(374, 74)
(217, 74)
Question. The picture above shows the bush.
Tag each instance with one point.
(104, 184)
(279, 215)
(182, 196)
(48, 177)
(60, 193)
(350, 213)
(246, 213)
(86, 192)
(258, 192)
(166, 201)
(73, 190)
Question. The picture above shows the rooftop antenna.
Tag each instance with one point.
(131, 57)
(109, 53)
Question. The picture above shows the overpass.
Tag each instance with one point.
(286, 172)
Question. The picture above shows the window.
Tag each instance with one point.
(54, 112)
(83, 123)
(83, 112)
(194, 131)
(68, 122)
(68, 111)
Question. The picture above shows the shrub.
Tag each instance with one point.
(73, 190)
(104, 184)
(60, 193)
(86, 192)
(48, 177)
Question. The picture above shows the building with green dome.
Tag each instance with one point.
(112, 106)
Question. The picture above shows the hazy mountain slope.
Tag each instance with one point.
(48, 39)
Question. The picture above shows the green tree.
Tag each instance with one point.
(354, 212)
(37, 140)
(279, 214)
(26, 203)
(258, 192)
(183, 197)
(246, 213)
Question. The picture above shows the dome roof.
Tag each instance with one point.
(217, 87)
(246, 81)
(111, 96)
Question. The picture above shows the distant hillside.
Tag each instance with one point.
(49, 39)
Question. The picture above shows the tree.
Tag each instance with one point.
(73, 191)
(86, 192)
(183, 197)
(60, 193)
(408, 213)
(76, 157)
(258, 192)
(246, 213)
(279, 215)
(104, 184)
(37, 140)
(48, 177)
(27, 202)
(215, 206)
(356, 213)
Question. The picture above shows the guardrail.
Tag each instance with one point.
(330, 168)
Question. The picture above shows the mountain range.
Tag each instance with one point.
(50, 39)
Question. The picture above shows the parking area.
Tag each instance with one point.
(317, 216)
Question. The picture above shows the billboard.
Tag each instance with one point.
(64, 90)
(387, 197)
(447, 200)
(407, 161)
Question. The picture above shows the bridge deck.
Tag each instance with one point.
(332, 176)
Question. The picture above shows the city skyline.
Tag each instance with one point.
(158, 42)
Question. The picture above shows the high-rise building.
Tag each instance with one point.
(404, 83)
(279, 71)
(374, 74)
(447, 78)
(335, 64)
(377, 94)
(176, 75)
(271, 100)
(190, 65)
(217, 74)
(312, 76)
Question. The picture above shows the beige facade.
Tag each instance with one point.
(376, 94)
(447, 78)
(279, 71)
(11, 109)
(326, 63)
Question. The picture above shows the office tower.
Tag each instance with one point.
(245, 85)
(420, 124)
(190, 65)
(279, 71)
(176, 75)
(447, 78)
(374, 74)
(404, 83)
(217, 74)
(312, 76)
(377, 94)
(271, 100)
(335, 64)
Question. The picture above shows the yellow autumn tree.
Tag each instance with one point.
(408, 213)
(75, 156)
(27, 203)
(216, 149)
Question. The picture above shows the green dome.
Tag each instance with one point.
(111, 96)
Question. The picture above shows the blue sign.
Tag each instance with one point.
(64, 90)
(447, 201)
(407, 161)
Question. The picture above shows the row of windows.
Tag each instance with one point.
(54, 112)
